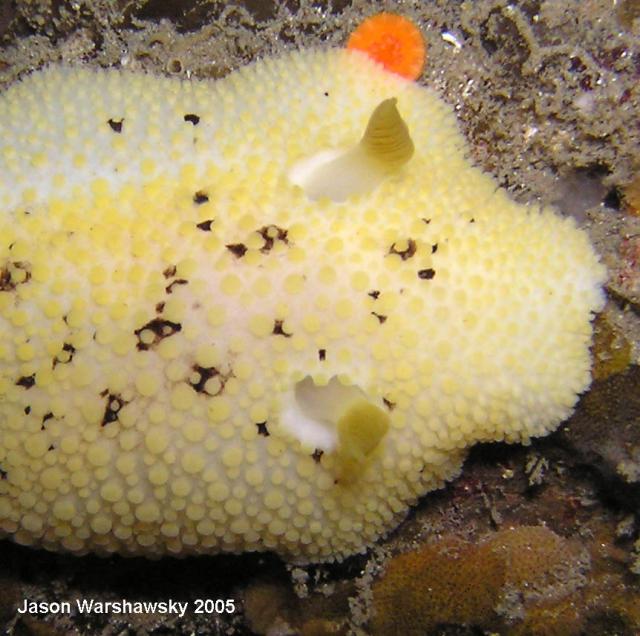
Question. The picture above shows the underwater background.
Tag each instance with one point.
(529, 540)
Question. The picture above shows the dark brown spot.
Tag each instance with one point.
(3, 473)
(170, 271)
(200, 197)
(174, 66)
(472, 220)
(262, 429)
(374, 294)
(389, 404)
(205, 374)
(192, 119)
(322, 354)
(434, 248)
(237, 249)
(112, 408)
(177, 281)
(278, 235)
(70, 349)
(159, 308)
(205, 226)
(116, 125)
(26, 381)
(161, 329)
(625, 96)
(406, 253)
(316, 455)
(278, 330)
(427, 274)
(427, 221)
(380, 317)
(27, 410)
(7, 283)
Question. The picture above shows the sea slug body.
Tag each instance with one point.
(209, 346)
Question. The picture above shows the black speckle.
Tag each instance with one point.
(278, 330)
(26, 381)
(3, 474)
(192, 119)
(45, 417)
(280, 235)
(237, 249)
(70, 348)
(169, 271)
(427, 274)
(380, 317)
(112, 408)
(374, 294)
(389, 404)
(472, 220)
(27, 410)
(317, 455)
(427, 221)
(434, 248)
(6, 281)
(326, 93)
(177, 281)
(205, 226)
(159, 308)
(322, 354)
(116, 125)
(404, 254)
(262, 429)
(160, 328)
(51, 447)
(200, 197)
(204, 374)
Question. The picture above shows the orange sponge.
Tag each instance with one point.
(392, 40)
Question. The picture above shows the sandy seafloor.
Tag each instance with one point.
(548, 96)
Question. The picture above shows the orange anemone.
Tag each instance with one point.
(392, 40)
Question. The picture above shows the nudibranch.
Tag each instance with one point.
(268, 312)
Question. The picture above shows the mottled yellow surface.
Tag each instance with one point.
(194, 348)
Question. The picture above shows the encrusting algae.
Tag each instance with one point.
(460, 583)
(263, 313)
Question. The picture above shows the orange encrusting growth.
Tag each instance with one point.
(392, 40)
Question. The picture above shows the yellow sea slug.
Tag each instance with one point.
(263, 313)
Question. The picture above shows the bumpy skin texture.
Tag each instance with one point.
(164, 289)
